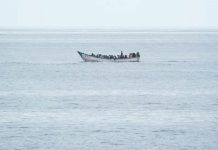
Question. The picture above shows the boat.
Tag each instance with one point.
(110, 58)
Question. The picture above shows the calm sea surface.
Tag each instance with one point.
(50, 99)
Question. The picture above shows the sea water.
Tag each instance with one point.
(51, 99)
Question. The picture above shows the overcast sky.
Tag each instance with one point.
(110, 13)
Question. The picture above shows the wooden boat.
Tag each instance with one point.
(93, 58)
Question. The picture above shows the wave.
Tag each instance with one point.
(39, 63)
(61, 93)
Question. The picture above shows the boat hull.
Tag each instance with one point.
(90, 58)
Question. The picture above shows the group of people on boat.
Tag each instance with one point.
(121, 56)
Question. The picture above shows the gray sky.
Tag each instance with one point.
(110, 13)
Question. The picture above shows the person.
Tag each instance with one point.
(121, 56)
(137, 54)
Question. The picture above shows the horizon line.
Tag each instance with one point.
(136, 29)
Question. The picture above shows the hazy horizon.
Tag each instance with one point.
(105, 29)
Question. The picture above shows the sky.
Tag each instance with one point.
(152, 14)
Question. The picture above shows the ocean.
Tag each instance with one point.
(50, 99)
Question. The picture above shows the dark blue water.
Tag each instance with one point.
(50, 99)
